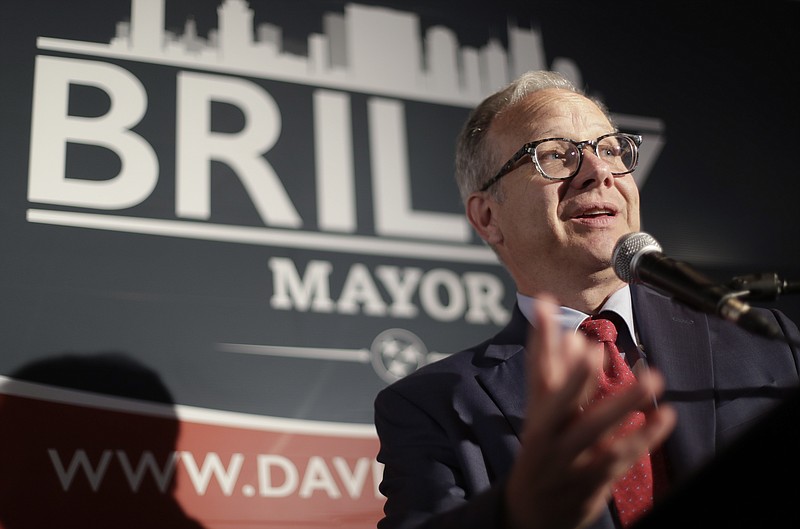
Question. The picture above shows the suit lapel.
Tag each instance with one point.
(676, 341)
(504, 380)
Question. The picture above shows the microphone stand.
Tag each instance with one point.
(764, 286)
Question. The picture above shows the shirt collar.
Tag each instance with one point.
(570, 319)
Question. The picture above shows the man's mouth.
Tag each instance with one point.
(596, 212)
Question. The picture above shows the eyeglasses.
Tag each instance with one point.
(561, 158)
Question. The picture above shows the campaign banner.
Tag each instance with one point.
(98, 461)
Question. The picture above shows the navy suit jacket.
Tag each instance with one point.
(450, 431)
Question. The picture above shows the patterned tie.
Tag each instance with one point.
(633, 493)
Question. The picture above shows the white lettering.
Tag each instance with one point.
(197, 145)
(485, 293)
(80, 459)
(359, 288)
(390, 181)
(265, 482)
(278, 476)
(147, 462)
(353, 481)
(333, 154)
(401, 286)
(289, 291)
(429, 291)
(444, 296)
(200, 477)
(52, 128)
(318, 477)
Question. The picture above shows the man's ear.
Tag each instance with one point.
(481, 213)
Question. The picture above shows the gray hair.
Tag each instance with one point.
(475, 159)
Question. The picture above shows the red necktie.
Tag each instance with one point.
(633, 493)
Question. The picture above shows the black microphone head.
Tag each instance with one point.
(628, 249)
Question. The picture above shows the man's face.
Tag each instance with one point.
(547, 230)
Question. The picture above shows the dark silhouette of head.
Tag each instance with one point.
(88, 457)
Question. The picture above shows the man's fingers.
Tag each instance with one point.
(543, 342)
(560, 368)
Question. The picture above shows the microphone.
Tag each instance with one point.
(637, 258)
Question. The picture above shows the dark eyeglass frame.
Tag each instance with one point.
(529, 149)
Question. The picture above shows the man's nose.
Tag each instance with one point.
(593, 169)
